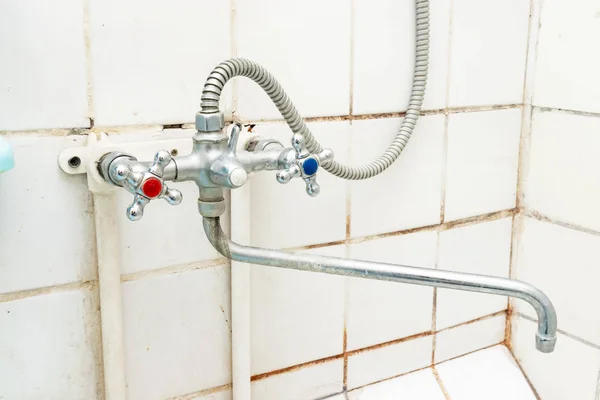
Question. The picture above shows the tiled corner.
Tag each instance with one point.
(387, 27)
(408, 194)
(570, 372)
(310, 382)
(48, 347)
(490, 374)
(562, 262)
(47, 230)
(488, 58)
(305, 45)
(177, 333)
(43, 71)
(466, 338)
(296, 316)
(374, 365)
(564, 168)
(567, 72)
(284, 215)
(482, 162)
(149, 61)
(483, 249)
(378, 312)
(418, 385)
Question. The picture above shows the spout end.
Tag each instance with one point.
(545, 343)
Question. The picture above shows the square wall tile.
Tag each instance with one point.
(566, 73)
(488, 58)
(408, 194)
(466, 338)
(483, 249)
(47, 228)
(490, 374)
(149, 59)
(563, 263)
(296, 316)
(43, 81)
(375, 365)
(482, 163)
(305, 45)
(418, 385)
(284, 215)
(311, 382)
(48, 348)
(177, 333)
(564, 168)
(570, 372)
(387, 27)
(378, 312)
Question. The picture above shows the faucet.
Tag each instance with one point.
(216, 164)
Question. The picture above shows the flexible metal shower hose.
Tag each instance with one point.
(242, 67)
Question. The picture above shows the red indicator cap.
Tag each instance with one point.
(152, 187)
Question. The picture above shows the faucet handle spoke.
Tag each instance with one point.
(145, 185)
(305, 165)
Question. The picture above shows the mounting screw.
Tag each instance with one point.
(174, 152)
(74, 162)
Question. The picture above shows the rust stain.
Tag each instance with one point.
(318, 245)
(345, 352)
(508, 327)
(390, 343)
(295, 367)
(479, 218)
(440, 383)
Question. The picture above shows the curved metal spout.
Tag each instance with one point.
(546, 334)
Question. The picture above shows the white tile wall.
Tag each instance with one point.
(488, 52)
(563, 263)
(567, 71)
(570, 372)
(284, 215)
(379, 312)
(390, 24)
(149, 59)
(303, 308)
(484, 249)
(47, 347)
(408, 194)
(470, 337)
(47, 228)
(43, 72)
(305, 45)
(488, 374)
(482, 162)
(389, 361)
(563, 168)
(311, 382)
(177, 333)
(418, 385)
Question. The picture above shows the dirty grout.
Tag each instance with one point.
(535, 393)
(67, 287)
(540, 217)
(440, 383)
(194, 395)
(176, 269)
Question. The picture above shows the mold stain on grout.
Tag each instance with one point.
(540, 217)
(67, 287)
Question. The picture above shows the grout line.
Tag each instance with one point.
(471, 352)
(88, 61)
(296, 367)
(124, 129)
(434, 305)
(345, 354)
(566, 111)
(514, 243)
(444, 169)
(191, 396)
(174, 269)
(535, 393)
(440, 383)
(482, 318)
(389, 343)
(449, 55)
(62, 288)
(540, 217)
(562, 332)
(233, 50)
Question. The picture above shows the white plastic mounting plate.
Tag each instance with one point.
(82, 160)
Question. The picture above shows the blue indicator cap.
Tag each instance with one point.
(310, 166)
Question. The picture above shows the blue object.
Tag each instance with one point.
(310, 166)
(7, 160)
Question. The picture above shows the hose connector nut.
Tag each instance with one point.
(210, 122)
